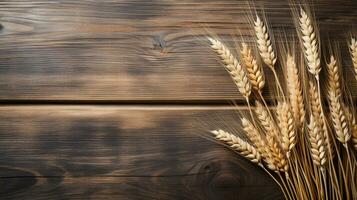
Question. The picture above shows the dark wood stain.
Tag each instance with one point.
(113, 99)
(96, 152)
(135, 50)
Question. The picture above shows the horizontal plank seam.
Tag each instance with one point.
(122, 102)
(8, 102)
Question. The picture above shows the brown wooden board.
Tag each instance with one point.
(135, 50)
(123, 152)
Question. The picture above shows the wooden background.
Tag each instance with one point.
(112, 99)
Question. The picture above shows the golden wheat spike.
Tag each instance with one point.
(259, 142)
(353, 50)
(232, 65)
(264, 43)
(287, 128)
(310, 43)
(279, 158)
(319, 120)
(266, 120)
(334, 87)
(338, 116)
(239, 145)
(254, 71)
(273, 137)
(317, 143)
(316, 108)
(295, 92)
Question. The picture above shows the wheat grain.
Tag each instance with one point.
(314, 100)
(353, 126)
(232, 65)
(287, 128)
(239, 145)
(259, 141)
(264, 43)
(334, 87)
(353, 50)
(317, 143)
(316, 110)
(295, 92)
(254, 71)
(310, 44)
(337, 112)
(354, 136)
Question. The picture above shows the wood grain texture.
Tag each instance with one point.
(114, 152)
(133, 50)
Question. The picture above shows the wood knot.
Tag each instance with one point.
(207, 168)
(159, 43)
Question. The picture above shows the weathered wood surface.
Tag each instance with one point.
(121, 152)
(133, 50)
(124, 52)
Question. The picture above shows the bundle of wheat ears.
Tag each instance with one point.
(308, 142)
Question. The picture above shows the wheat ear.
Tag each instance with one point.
(254, 71)
(338, 116)
(318, 147)
(264, 43)
(287, 128)
(272, 136)
(233, 67)
(295, 92)
(319, 122)
(266, 120)
(277, 153)
(239, 145)
(353, 50)
(311, 47)
(259, 142)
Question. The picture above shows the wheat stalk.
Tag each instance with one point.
(287, 128)
(239, 145)
(295, 92)
(337, 112)
(233, 67)
(310, 44)
(264, 43)
(259, 142)
(318, 147)
(271, 138)
(254, 71)
(353, 50)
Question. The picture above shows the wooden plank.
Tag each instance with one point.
(115, 152)
(133, 50)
